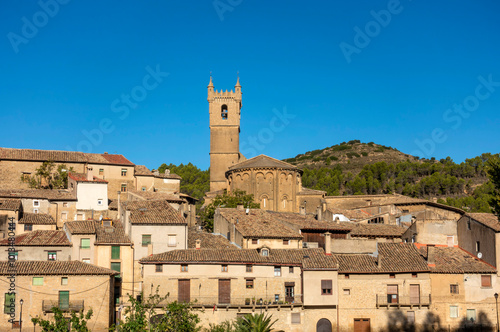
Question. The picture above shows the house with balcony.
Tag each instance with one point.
(68, 285)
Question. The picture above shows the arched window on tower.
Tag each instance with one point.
(223, 112)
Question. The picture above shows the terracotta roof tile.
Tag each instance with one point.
(376, 230)
(155, 195)
(53, 268)
(454, 260)
(111, 235)
(40, 238)
(153, 212)
(10, 204)
(208, 240)
(353, 215)
(50, 194)
(308, 191)
(263, 161)
(80, 227)
(168, 176)
(37, 219)
(308, 222)
(487, 219)
(141, 170)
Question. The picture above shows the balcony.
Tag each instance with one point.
(403, 301)
(76, 306)
(251, 301)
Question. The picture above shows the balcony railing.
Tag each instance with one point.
(403, 301)
(250, 301)
(76, 306)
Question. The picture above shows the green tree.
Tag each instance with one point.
(231, 200)
(247, 323)
(494, 174)
(46, 178)
(77, 321)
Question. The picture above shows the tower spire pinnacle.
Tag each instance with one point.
(238, 79)
(210, 84)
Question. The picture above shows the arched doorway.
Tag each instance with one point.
(324, 325)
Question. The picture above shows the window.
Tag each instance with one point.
(276, 297)
(146, 240)
(124, 172)
(392, 294)
(79, 216)
(410, 317)
(223, 268)
(249, 283)
(223, 112)
(468, 224)
(99, 202)
(52, 256)
(453, 289)
(37, 281)
(64, 215)
(115, 252)
(249, 268)
(414, 275)
(28, 227)
(290, 269)
(478, 246)
(392, 275)
(64, 281)
(289, 292)
(123, 188)
(13, 256)
(326, 287)
(347, 291)
(85, 243)
(346, 276)
(486, 281)
(35, 210)
(265, 252)
(471, 315)
(286, 242)
(116, 266)
(172, 240)
(295, 317)
(453, 311)
(158, 267)
(184, 268)
(255, 241)
(63, 300)
(143, 189)
(9, 306)
(36, 203)
(277, 271)
(65, 204)
(101, 171)
(86, 260)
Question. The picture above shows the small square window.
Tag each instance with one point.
(37, 281)
(249, 283)
(453, 311)
(36, 203)
(264, 252)
(124, 172)
(28, 227)
(295, 317)
(184, 268)
(52, 256)
(453, 289)
(249, 268)
(277, 271)
(286, 242)
(13, 256)
(123, 188)
(290, 269)
(346, 276)
(255, 241)
(347, 291)
(101, 171)
(146, 240)
(414, 275)
(143, 188)
(223, 268)
(159, 268)
(172, 240)
(276, 297)
(326, 287)
(85, 243)
(79, 216)
(392, 275)
(64, 281)
(86, 260)
(486, 281)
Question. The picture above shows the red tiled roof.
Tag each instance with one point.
(208, 240)
(153, 212)
(10, 204)
(49, 194)
(53, 268)
(37, 219)
(39, 238)
(263, 161)
(114, 234)
(81, 177)
(80, 226)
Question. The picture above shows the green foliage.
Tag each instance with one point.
(195, 182)
(232, 200)
(174, 316)
(494, 174)
(46, 178)
(248, 323)
(60, 323)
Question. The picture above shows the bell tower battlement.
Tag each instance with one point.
(224, 111)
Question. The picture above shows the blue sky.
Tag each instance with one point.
(420, 76)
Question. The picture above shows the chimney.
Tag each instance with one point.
(319, 213)
(90, 176)
(119, 207)
(150, 249)
(379, 260)
(240, 207)
(198, 244)
(337, 220)
(328, 243)
(156, 172)
(303, 210)
(431, 254)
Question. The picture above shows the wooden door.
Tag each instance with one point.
(184, 290)
(414, 294)
(324, 325)
(392, 294)
(361, 325)
(224, 291)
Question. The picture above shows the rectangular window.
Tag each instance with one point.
(453, 289)
(277, 271)
(101, 171)
(295, 317)
(64, 300)
(146, 239)
(326, 287)
(414, 275)
(276, 297)
(223, 268)
(124, 172)
(64, 215)
(392, 294)
(249, 268)
(486, 281)
(410, 317)
(286, 242)
(143, 188)
(453, 311)
(115, 252)
(158, 267)
(468, 224)
(10, 303)
(346, 276)
(172, 240)
(249, 283)
(86, 260)
(290, 269)
(37, 281)
(64, 281)
(36, 203)
(478, 246)
(116, 266)
(255, 241)
(347, 291)
(123, 188)
(471, 315)
(184, 268)
(79, 216)
(65, 204)
(392, 276)
(52, 256)
(28, 227)
(85, 243)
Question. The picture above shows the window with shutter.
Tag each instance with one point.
(392, 293)
(115, 252)
(326, 287)
(63, 300)
(486, 281)
(85, 243)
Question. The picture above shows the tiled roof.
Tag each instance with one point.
(39, 238)
(454, 260)
(10, 204)
(50, 194)
(153, 212)
(168, 176)
(63, 156)
(81, 177)
(208, 240)
(259, 224)
(34, 268)
(111, 235)
(80, 227)
(155, 195)
(487, 219)
(376, 230)
(113, 204)
(308, 222)
(316, 258)
(395, 258)
(263, 161)
(37, 219)
(308, 191)
(350, 214)
(141, 170)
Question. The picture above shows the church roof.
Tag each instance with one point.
(263, 161)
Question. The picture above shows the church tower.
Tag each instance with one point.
(224, 109)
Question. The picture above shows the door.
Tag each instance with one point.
(392, 294)
(184, 290)
(361, 325)
(324, 325)
(224, 291)
(414, 294)
(289, 294)
(64, 300)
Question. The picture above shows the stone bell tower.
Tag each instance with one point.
(224, 109)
